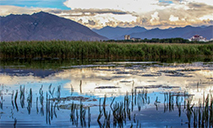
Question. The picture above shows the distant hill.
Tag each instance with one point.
(43, 26)
(140, 32)
(184, 32)
(117, 32)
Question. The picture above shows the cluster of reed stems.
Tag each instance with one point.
(202, 115)
(118, 113)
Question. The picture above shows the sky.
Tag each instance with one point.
(122, 13)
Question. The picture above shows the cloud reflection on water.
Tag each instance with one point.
(121, 79)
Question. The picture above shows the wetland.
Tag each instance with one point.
(106, 94)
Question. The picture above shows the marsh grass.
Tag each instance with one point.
(100, 50)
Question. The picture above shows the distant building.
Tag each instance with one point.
(127, 37)
(136, 39)
(197, 38)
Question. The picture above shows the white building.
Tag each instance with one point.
(198, 38)
(127, 37)
(136, 39)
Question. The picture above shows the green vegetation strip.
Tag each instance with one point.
(101, 50)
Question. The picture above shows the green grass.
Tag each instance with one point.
(101, 50)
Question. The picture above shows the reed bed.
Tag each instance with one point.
(100, 50)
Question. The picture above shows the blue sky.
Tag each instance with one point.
(123, 13)
(57, 4)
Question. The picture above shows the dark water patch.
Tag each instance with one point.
(181, 94)
(107, 87)
(122, 73)
(106, 79)
(77, 98)
(124, 81)
(188, 70)
(69, 106)
(151, 81)
(111, 78)
(119, 77)
(151, 75)
(156, 86)
(174, 73)
(85, 66)
(28, 72)
(179, 75)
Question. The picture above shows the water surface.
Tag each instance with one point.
(121, 94)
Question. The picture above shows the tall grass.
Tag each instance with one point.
(100, 50)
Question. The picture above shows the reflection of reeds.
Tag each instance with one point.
(142, 99)
(89, 117)
(51, 91)
(120, 112)
(48, 116)
(80, 86)
(59, 92)
(75, 115)
(169, 101)
(37, 110)
(12, 101)
(82, 115)
(16, 95)
(189, 111)
(71, 89)
(22, 95)
(201, 116)
(1, 100)
(156, 103)
(29, 100)
(15, 122)
(41, 98)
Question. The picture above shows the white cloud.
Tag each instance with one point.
(208, 2)
(155, 18)
(105, 19)
(207, 17)
(172, 18)
(152, 13)
(124, 5)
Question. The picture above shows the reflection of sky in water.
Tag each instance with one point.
(121, 79)
(113, 81)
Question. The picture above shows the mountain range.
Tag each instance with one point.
(43, 26)
(140, 32)
(117, 32)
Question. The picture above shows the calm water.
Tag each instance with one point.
(119, 94)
